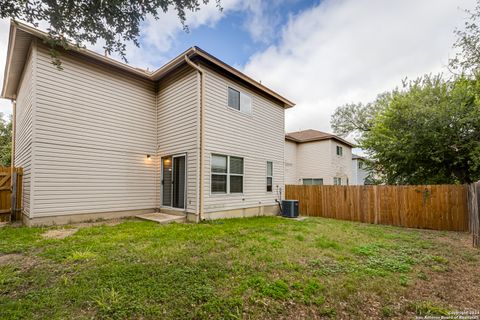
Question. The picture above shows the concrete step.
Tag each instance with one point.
(162, 218)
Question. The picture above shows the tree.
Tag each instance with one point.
(5, 141)
(115, 21)
(426, 132)
(467, 59)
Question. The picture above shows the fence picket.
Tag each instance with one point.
(7, 211)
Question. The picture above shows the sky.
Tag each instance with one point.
(318, 54)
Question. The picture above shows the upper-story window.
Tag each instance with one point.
(360, 164)
(339, 151)
(239, 101)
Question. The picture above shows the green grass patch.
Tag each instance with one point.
(259, 268)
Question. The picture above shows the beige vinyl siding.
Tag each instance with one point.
(341, 165)
(23, 128)
(177, 112)
(257, 137)
(319, 160)
(314, 160)
(93, 127)
(291, 162)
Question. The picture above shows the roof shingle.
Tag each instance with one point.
(314, 135)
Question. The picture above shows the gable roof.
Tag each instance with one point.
(21, 36)
(314, 135)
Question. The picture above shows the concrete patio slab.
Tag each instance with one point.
(162, 218)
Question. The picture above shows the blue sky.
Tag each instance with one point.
(230, 40)
(318, 54)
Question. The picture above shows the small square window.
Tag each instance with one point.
(239, 101)
(339, 151)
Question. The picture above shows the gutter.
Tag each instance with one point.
(202, 135)
(11, 43)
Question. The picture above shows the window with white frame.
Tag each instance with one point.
(227, 174)
(239, 101)
(269, 176)
(311, 181)
(337, 181)
(339, 151)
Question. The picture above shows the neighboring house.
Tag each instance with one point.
(101, 139)
(315, 157)
(359, 174)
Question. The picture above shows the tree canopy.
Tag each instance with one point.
(5, 140)
(115, 21)
(427, 131)
(467, 58)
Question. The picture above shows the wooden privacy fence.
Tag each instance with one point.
(10, 193)
(438, 207)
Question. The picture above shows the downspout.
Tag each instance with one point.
(157, 162)
(202, 136)
(13, 177)
(14, 118)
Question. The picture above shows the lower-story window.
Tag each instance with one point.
(227, 174)
(269, 176)
(311, 181)
(337, 181)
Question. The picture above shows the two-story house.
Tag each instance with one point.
(359, 171)
(314, 158)
(102, 139)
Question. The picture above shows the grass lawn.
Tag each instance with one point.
(257, 268)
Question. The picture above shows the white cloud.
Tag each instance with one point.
(159, 35)
(351, 50)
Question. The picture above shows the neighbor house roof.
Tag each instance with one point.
(356, 156)
(314, 135)
(21, 36)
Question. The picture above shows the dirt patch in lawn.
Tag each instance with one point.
(24, 262)
(66, 232)
(59, 233)
(452, 282)
(457, 289)
(111, 223)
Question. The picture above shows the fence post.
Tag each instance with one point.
(473, 212)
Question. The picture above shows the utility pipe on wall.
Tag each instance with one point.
(202, 134)
(14, 115)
